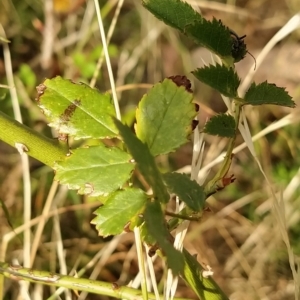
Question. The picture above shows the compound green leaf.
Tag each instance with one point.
(96, 170)
(119, 209)
(175, 13)
(267, 93)
(223, 79)
(164, 117)
(156, 226)
(76, 109)
(145, 162)
(188, 191)
(221, 125)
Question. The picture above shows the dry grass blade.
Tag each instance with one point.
(107, 58)
(279, 211)
(109, 35)
(24, 158)
(287, 29)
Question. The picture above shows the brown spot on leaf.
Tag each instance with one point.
(63, 137)
(126, 228)
(194, 124)
(181, 80)
(69, 111)
(40, 91)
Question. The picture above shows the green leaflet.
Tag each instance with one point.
(76, 109)
(95, 170)
(164, 117)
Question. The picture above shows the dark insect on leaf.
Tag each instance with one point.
(239, 48)
(181, 80)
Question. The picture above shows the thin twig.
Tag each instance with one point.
(42, 222)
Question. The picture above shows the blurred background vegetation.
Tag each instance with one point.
(239, 237)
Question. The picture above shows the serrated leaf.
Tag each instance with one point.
(180, 15)
(212, 35)
(96, 170)
(119, 208)
(188, 191)
(76, 109)
(145, 162)
(164, 117)
(156, 226)
(175, 13)
(267, 93)
(221, 125)
(223, 79)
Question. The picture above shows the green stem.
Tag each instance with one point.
(184, 215)
(215, 184)
(44, 149)
(69, 282)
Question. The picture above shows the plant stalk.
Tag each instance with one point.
(69, 282)
(36, 145)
